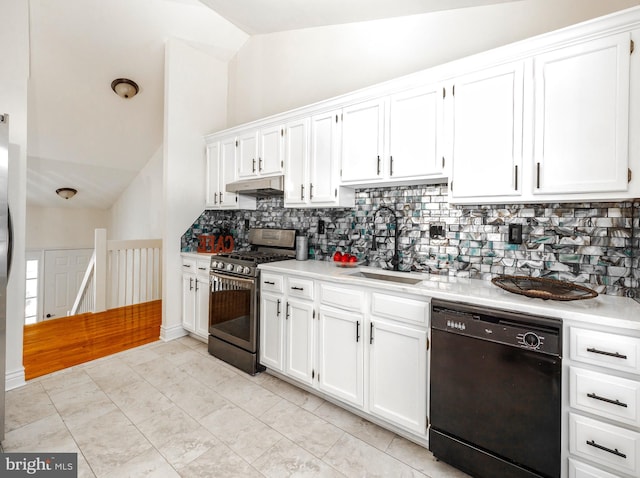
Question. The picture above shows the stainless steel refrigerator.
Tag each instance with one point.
(5, 255)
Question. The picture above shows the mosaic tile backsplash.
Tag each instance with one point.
(595, 244)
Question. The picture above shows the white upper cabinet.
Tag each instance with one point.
(221, 168)
(582, 117)
(261, 152)
(416, 133)
(363, 141)
(487, 132)
(296, 163)
(397, 138)
(312, 162)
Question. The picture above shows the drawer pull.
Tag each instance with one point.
(297, 288)
(610, 354)
(604, 448)
(608, 400)
(269, 282)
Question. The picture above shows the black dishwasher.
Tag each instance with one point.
(495, 393)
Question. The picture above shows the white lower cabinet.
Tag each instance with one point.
(363, 347)
(398, 374)
(286, 325)
(341, 355)
(604, 403)
(195, 296)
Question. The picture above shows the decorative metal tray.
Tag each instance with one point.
(542, 288)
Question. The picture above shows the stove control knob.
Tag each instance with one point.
(230, 267)
(214, 264)
(531, 340)
(220, 265)
(246, 270)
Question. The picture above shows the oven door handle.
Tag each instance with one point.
(224, 277)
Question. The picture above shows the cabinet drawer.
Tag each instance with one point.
(607, 350)
(582, 470)
(612, 446)
(189, 265)
(203, 267)
(612, 397)
(400, 308)
(341, 297)
(302, 288)
(271, 282)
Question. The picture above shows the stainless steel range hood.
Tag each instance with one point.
(273, 186)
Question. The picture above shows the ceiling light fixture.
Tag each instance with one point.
(66, 193)
(124, 87)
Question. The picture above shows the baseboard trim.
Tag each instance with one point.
(14, 379)
(172, 333)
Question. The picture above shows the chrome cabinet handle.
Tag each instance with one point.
(288, 313)
(371, 333)
(358, 331)
(190, 283)
(297, 288)
(378, 165)
(269, 282)
(278, 309)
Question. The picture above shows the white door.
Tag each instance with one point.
(248, 155)
(341, 355)
(582, 117)
(296, 191)
(415, 131)
(63, 273)
(271, 331)
(202, 303)
(299, 350)
(325, 158)
(398, 374)
(228, 170)
(363, 141)
(188, 302)
(214, 181)
(488, 132)
(270, 151)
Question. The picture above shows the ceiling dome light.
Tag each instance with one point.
(66, 193)
(124, 87)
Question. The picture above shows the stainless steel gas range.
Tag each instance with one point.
(234, 302)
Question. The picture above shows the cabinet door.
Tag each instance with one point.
(363, 141)
(415, 131)
(341, 355)
(300, 336)
(227, 172)
(188, 302)
(398, 374)
(248, 154)
(487, 133)
(325, 158)
(214, 179)
(270, 154)
(202, 304)
(296, 163)
(271, 331)
(582, 117)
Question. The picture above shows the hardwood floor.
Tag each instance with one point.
(61, 343)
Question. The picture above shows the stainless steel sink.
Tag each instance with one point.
(385, 277)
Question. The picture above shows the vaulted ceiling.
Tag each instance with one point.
(81, 135)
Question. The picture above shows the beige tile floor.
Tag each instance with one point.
(172, 410)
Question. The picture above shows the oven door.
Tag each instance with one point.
(233, 310)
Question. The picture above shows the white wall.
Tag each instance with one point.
(138, 213)
(14, 73)
(63, 228)
(277, 72)
(195, 104)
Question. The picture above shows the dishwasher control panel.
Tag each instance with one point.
(539, 334)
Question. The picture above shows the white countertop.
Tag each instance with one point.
(604, 310)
